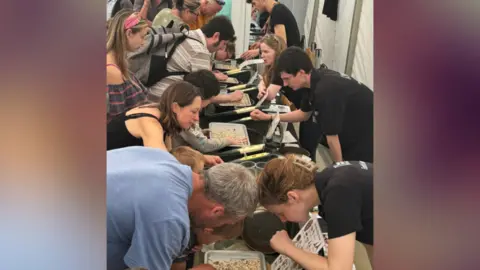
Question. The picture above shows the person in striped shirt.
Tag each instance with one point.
(195, 52)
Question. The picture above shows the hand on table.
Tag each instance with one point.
(235, 141)
(250, 54)
(262, 90)
(236, 96)
(212, 160)
(280, 242)
(259, 115)
(220, 76)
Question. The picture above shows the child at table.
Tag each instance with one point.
(199, 237)
(194, 136)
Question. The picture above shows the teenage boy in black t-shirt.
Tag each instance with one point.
(341, 106)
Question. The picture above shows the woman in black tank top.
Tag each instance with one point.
(152, 124)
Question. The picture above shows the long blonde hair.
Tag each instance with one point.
(278, 45)
(117, 38)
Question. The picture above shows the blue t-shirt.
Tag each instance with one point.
(147, 215)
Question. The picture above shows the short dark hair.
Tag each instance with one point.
(206, 81)
(222, 25)
(292, 60)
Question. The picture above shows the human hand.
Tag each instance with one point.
(220, 76)
(259, 115)
(236, 141)
(262, 90)
(212, 160)
(236, 96)
(280, 242)
(250, 54)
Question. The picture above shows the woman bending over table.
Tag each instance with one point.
(153, 125)
(343, 192)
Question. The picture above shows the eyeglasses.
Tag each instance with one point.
(220, 2)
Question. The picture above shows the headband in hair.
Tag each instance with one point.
(131, 21)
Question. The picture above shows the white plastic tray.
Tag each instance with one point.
(242, 103)
(226, 255)
(225, 130)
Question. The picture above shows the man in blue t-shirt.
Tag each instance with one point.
(150, 197)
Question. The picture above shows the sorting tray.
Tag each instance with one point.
(231, 80)
(242, 103)
(225, 66)
(227, 255)
(225, 130)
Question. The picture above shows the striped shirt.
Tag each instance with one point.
(195, 138)
(190, 56)
(125, 96)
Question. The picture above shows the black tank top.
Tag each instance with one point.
(117, 132)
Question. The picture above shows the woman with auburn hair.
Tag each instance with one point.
(290, 187)
(154, 124)
(125, 33)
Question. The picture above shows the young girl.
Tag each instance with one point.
(125, 33)
(291, 187)
(209, 86)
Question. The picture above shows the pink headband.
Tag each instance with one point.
(131, 21)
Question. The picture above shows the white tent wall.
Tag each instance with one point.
(333, 37)
(343, 30)
(363, 58)
(241, 18)
(324, 37)
(298, 9)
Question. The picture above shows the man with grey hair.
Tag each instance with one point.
(152, 200)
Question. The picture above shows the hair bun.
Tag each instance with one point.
(306, 164)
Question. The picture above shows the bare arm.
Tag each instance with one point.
(226, 98)
(272, 91)
(295, 116)
(144, 10)
(280, 31)
(340, 255)
(335, 147)
(114, 76)
(291, 117)
(151, 133)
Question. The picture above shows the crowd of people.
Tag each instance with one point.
(167, 195)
